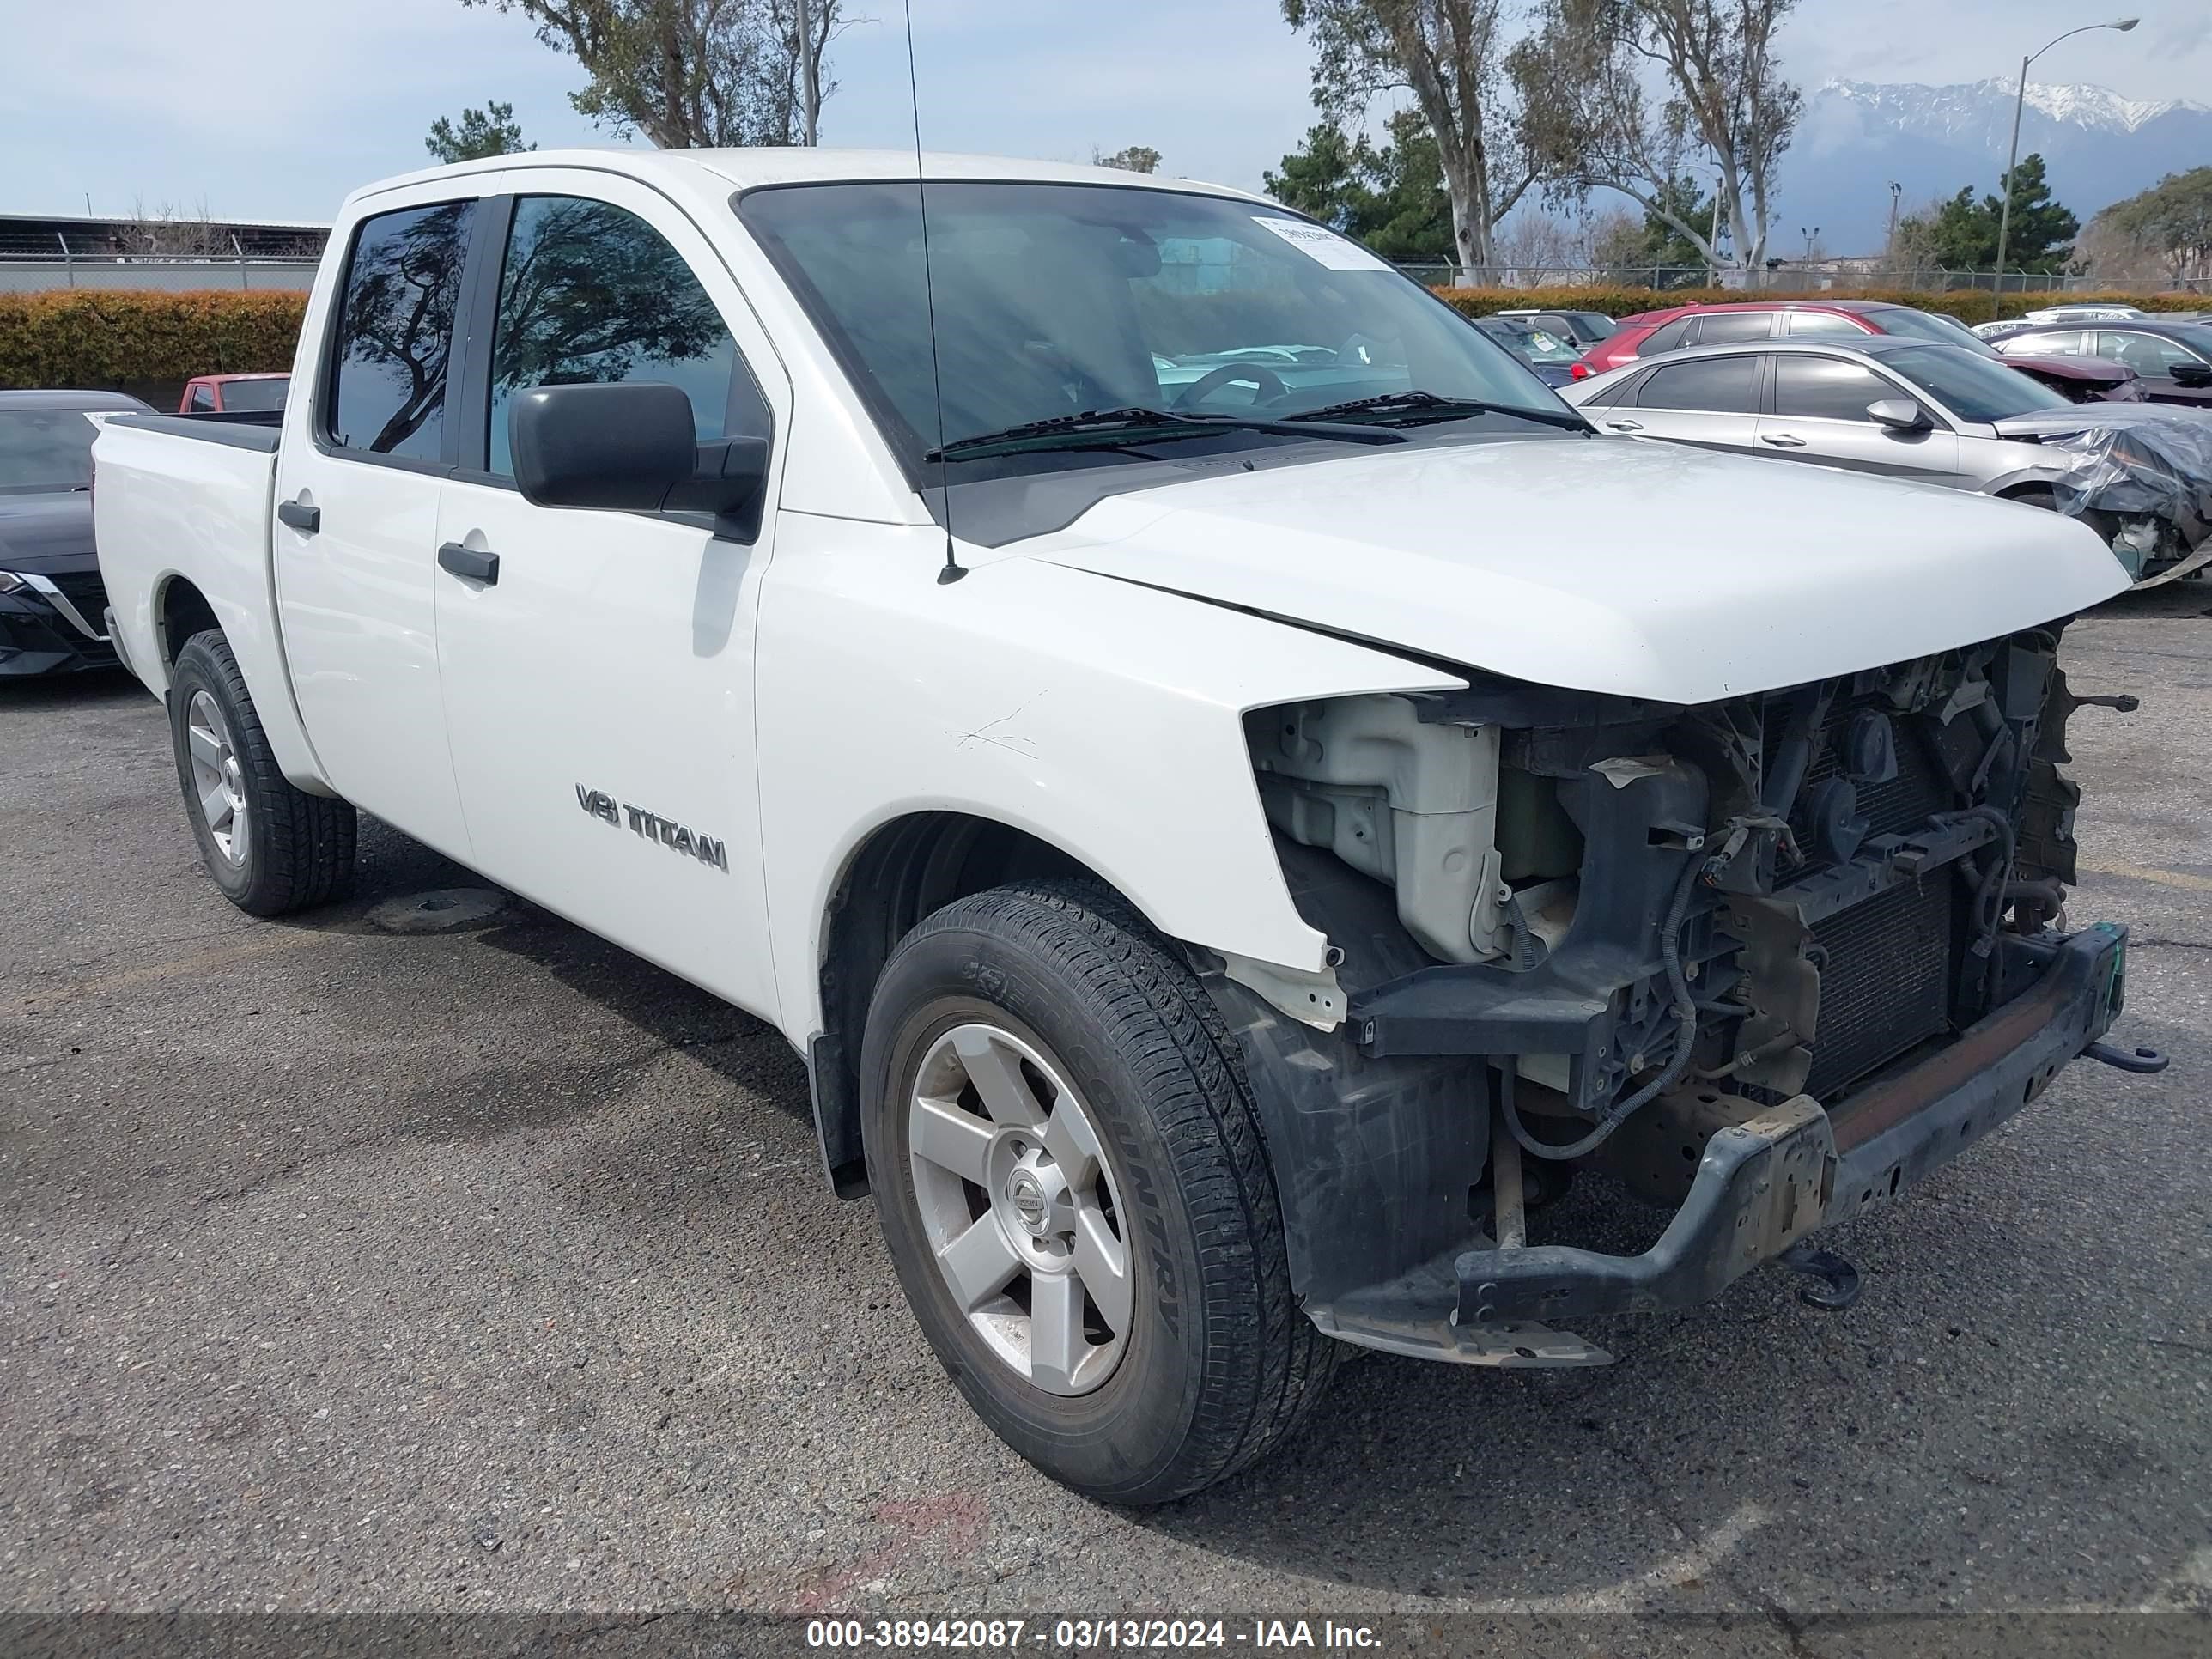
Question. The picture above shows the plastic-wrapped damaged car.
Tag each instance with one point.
(2139, 474)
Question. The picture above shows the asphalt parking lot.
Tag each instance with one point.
(349, 1269)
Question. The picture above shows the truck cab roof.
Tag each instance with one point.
(720, 170)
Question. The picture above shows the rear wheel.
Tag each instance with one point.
(272, 847)
(1071, 1180)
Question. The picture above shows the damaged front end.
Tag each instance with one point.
(1767, 960)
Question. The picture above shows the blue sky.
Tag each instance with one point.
(278, 107)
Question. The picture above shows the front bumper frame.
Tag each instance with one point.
(1763, 1185)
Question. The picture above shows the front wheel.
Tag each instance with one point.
(1071, 1180)
(271, 847)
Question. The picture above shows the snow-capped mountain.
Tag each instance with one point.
(2101, 107)
(1971, 109)
(1857, 136)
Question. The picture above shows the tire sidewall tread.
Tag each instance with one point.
(300, 850)
(1221, 1368)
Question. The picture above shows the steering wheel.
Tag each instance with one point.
(1267, 386)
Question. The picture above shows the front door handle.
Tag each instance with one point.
(1782, 441)
(1626, 426)
(467, 561)
(302, 517)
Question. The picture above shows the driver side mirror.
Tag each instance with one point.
(2192, 374)
(1898, 415)
(631, 446)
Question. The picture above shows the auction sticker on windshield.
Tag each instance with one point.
(1321, 243)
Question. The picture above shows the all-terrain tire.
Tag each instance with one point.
(1220, 1364)
(299, 852)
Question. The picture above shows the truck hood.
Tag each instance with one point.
(47, 534)
(1637, 568)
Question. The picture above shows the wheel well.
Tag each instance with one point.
(906, 870)
(185, 611)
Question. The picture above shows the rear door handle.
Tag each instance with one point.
(302, 518)
(1626, 426)
(468, 563)
(1782, 441)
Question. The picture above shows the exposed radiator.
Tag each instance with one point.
(1884, 980)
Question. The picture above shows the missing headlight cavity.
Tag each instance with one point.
(1425, 808)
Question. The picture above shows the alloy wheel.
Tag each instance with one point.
(216, 780)
(1019, 1207)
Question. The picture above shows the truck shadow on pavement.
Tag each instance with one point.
(670, 1012)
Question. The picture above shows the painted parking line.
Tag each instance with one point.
(2180, 878)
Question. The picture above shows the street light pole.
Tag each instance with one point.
(2012, 160)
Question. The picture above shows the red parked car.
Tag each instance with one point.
(233, 394)
(1649, 333)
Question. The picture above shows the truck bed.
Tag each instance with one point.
(183, 498)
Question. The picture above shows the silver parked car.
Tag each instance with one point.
(1931, 413)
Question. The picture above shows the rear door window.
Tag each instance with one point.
(1822, 322)
(1826, 388)
(1666, 337)
(392, 336)
(1726, 327)
(1728, 385)
(2066, 343)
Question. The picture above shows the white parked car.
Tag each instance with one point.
(1211, 842)
(2086, 314)
(1926, 413)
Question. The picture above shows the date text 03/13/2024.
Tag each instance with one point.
(1090, 1635)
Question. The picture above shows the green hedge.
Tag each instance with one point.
(1969, 305)
(117, 336)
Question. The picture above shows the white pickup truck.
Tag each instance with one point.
(1235, 792)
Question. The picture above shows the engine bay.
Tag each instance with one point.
(1776, 894)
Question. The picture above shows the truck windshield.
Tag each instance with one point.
(44, 451)
(1053, 300)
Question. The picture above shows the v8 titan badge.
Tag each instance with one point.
(707, 849)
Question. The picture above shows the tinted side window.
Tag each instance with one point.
(2065, 344)
(2145, 354)
(1666, 337)
(1725, 328)
(1826, 388)
(203, 397)
(590, 292)
(1822, 322)
(1728, 386)
(394, 331)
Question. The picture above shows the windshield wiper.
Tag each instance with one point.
(1117, 428)
(1418, 407)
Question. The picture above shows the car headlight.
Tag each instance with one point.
(9, 581)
